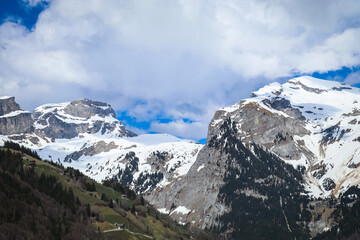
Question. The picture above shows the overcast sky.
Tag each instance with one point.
(166, 66)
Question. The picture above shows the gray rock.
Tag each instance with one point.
(85, 108)
(19, 124)
(95, 149)
(70, 121)
(269, 129)
(198, 191)
(13, 120)
(328, 184)
(8, 105)
(307, 88)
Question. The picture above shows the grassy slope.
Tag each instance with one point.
(151, 225)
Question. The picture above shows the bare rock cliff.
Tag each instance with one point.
(68, 120)
(13, 120)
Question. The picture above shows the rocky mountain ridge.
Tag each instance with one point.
(274, 152)
(58, 121)
(307, 122)
(68, 120)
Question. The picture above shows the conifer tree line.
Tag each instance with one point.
(37, 206)
(16, 146)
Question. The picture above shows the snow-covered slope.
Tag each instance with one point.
(154, 159)
(308, 122)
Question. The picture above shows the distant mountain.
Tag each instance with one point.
(68, 120)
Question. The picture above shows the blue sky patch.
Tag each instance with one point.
(19, 11)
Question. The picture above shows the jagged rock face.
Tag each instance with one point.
(19, 124)
(97, 148)
(194, 199)
(8, 105)
(68, 120)
(13, 120)
(260, 191)
(260, 125)
(85, 108)
(157, 169)
(56, 121)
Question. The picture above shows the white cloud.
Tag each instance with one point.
(175, 59)
(134, 129)
(337, 51)
(192, 130)
(33, 3)
(353, 78)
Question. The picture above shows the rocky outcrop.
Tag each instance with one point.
(274, 130)
(68, 120)
(198, 191)
(13, 120)
(8, 105)
(97, 148)
(85, 108)
(56, 121)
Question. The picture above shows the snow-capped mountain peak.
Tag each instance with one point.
(69, 119)
(306, 121)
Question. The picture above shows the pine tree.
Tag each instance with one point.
(88, 210)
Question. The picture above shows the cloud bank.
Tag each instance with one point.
(176, 59)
